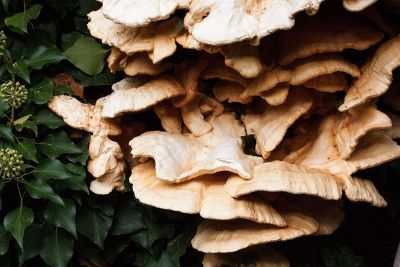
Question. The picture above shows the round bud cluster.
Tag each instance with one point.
(3, 41)
(13, 94)
(10, 163)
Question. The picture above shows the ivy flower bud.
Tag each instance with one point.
(3, 42)
(10, 163)
(13, 94)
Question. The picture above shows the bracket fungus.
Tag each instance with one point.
(210, 82)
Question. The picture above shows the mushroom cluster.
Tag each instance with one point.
(265, 117)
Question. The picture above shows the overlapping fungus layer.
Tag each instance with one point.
(217, 74)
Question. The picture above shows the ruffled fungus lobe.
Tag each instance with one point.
(233, 20)
(83, 116)
(376, 75)
(279, 176)
(106, 164)
(140, 64)
(204, 195)
(229, 236)
(181, 157)
(328, 34)
(142, 12)
(169, 116)
(230, 91)
(129, 96)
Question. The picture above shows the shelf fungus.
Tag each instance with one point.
(257, 121)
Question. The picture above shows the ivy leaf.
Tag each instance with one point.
(5, 4)
(127, 218)
(39, 189)
(6, 134)
(62, 216)
(176, 248)
(4, 240)
(27, 149)
(93, 224)
(83, 157)
(77, 180)
(33, 241)
(48, 118)
(62, 90)
(51, 169)
(42, 56)
(21, 69)
(20, 20)
(41, 92)
(31, 125)
(57, 249)
(87, 55)
(16, 222)
(57, 144)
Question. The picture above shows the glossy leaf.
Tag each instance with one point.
(42, 92)
(62, 216)
(57, 144)
(26, 147)
(16, 222)
(87, 55)
(20, 20)
(57, 249)
(40, 189)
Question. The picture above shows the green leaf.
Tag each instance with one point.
(127, 218)
(48, 118)
(87, 55)
(42, 56)
(83, 157)
(20, 20)
(5, 238)
(41, 92)
(27, 149)
(93, 224)
(16, 222)
(5, 4)
(57, 144)
(62, 216)
(33, 241)
(57, 249)
(77, 179)
(177, 247)
(51, 169)
(6, 134)
(21, 69)
(39, 189)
